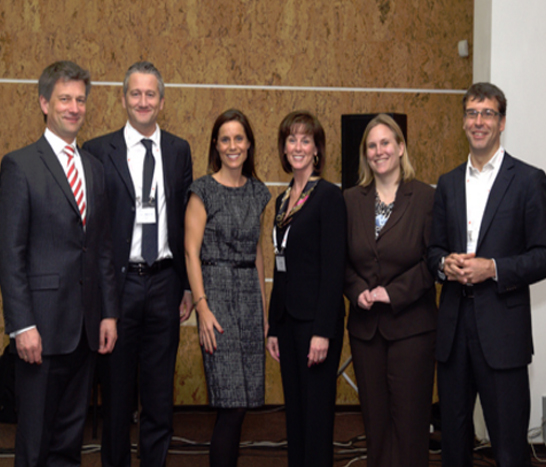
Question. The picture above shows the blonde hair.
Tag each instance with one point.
(407, 172)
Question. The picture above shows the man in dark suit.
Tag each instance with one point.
(488, 245)
(148, 172)
(56, 273)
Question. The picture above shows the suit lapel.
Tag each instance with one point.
(118, 156)
(88, 173)
(402, 199)
(498, 190)
(459, 195)
(367, 213)
(52, 163)
(168, 164)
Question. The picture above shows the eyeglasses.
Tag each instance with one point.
(487, 114)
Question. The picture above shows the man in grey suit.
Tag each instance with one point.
(488, 244)
(148, 172)
(56, 273)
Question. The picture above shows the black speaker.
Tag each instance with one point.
(352, 130)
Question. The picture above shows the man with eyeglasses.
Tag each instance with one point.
(488, 244)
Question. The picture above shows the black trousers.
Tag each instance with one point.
(148, 335)
(504, 395)
(309, 394)
(52, 401)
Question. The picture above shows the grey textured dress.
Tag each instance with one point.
(235, 371)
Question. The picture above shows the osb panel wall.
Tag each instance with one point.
(403, 44)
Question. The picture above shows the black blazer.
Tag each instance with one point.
(54, 274)
(396, 261)
(111, 150)
(312, 287)
(513, 233)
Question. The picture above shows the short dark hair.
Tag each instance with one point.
(481, 91)
(215, 163)
(148, 68)
(65, 70)
(306, 122)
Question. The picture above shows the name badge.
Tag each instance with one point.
(280, 261)
(145, 214)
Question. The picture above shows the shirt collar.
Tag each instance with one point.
(493, 164)
(134, 137)
(57, 144)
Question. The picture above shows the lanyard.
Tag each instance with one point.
(284, 240)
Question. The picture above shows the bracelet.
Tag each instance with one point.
(194, 306)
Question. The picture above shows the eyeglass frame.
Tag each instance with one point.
(486, 114)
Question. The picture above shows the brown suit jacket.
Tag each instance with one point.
(396, 261)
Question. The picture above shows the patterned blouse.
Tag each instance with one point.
(382, 214)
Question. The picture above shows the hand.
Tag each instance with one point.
(185, 306)
(29, 346)
(108, 335)
(318, 350)
(467, 269)
(207, 324)
(273, 348)
(379, 294)
(454, 264)
(365, 300)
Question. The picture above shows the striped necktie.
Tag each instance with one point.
(75, 181)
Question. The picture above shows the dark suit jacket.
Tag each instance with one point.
(513, 233)
(111, 150)
(396, 261)
(53, 273)
(312, 287)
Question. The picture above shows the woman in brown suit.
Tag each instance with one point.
(393, 310)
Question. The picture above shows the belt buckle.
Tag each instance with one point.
(141, 269)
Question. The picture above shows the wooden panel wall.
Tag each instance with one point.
(396, 44)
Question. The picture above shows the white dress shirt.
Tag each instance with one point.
(135, 160)
(478, 186)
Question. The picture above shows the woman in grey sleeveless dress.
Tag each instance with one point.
(225, 270)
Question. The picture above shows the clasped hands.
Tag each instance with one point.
(367, 298)
(466, 269)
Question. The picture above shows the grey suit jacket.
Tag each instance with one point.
(54, 274)
(513, 232)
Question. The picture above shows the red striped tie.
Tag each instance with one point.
(75, 181)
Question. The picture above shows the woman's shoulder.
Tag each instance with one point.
(328, 188)
(201, 186)
(421, 188)
(201, 181)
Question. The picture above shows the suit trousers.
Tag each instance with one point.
(395, 380)
(52, 403)
(504, 395)
(309, 393)
(148, 335)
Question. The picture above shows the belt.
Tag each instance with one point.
(231, 264)
(142, 269)
(467, 291)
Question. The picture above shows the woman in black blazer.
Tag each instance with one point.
(306, 309)
(392, 319)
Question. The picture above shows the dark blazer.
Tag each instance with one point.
(312, 287)
(111, 150)
(54, 274)
(396, 261)
(513, 233)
